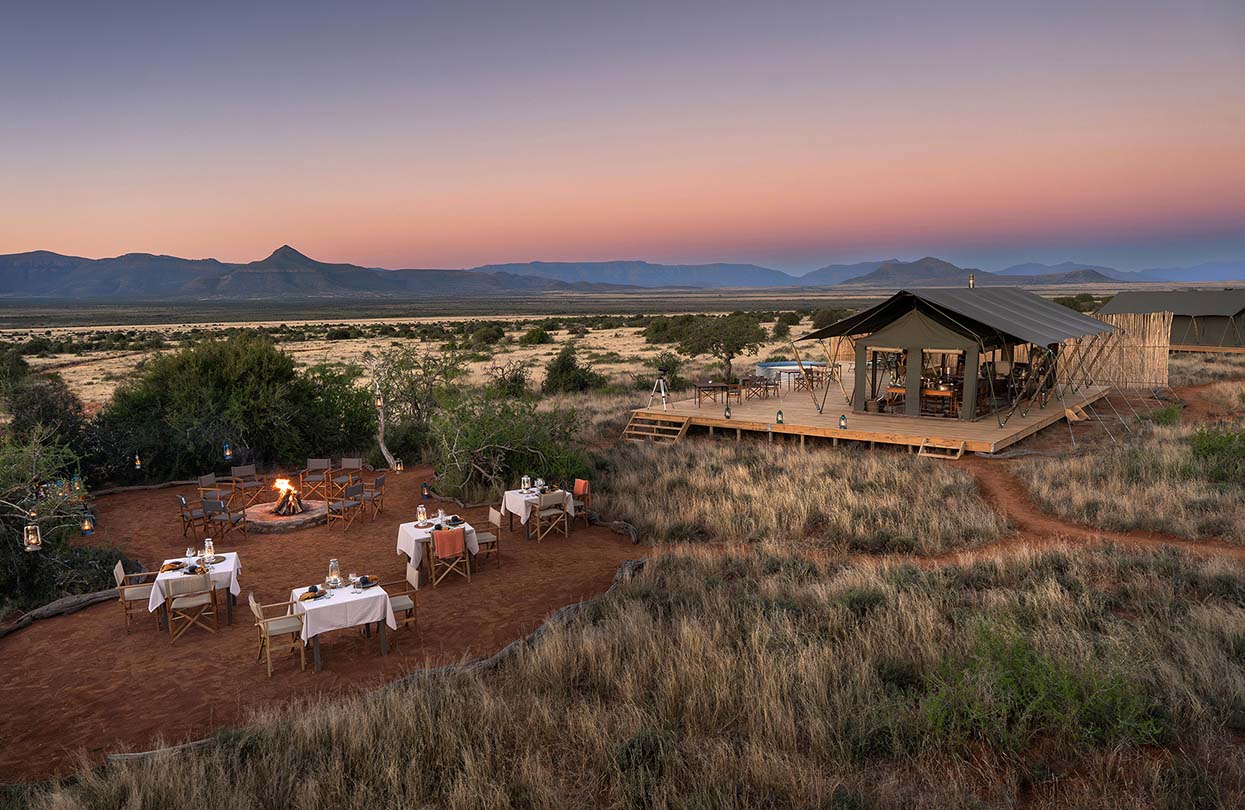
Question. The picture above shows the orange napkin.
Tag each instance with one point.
(305, 596)
(171, 567)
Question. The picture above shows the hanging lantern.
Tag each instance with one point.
(778, 417)
(843, 421)
(76, 483)
(397, 466)
(425, 490)
(380, 401)
(227, 450)
(138, 461)
(32, 538)
(88, 523)
(727, 412)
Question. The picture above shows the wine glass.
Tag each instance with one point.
(354, 581)
(190, 551)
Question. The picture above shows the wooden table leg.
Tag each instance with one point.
(315, 651)
(384, 637)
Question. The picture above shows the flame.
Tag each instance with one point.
(283, 485)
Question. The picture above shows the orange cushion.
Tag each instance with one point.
(581, 487)
(449, 542)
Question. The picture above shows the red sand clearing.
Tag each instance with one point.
(78, 683)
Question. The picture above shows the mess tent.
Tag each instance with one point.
(1202, 320)
(965, 353)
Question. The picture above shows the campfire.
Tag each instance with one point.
(289, 502)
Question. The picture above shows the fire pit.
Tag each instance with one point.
(291, 511)
(289, 502)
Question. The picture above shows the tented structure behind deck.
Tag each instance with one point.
(964, 353)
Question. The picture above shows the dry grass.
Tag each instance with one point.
(1153, 482)
(1189, 368)
(1225, 398)
(838, 499)
(1105, 680)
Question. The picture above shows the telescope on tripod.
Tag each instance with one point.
(659, 389)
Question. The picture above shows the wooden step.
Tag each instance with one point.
(1076, 414)
(655, 428)
(931, 449)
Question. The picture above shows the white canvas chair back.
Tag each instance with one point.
(183, 584)
(556, 498)
(259, 614)
(412, 576)
(494, 518)
(118, 573)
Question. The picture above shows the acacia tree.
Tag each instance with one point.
(723, 338)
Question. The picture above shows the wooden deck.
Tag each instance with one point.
(1179, 347)
(800, 418)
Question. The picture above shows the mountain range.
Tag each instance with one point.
(290, 274)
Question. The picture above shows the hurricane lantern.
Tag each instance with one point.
(843, 421)
(227, 449)
(425, 490)
(88, 523)
(32, 538)
(138, 461)
(727, 412)
(778, 417)
(380, 401)
(397, 466)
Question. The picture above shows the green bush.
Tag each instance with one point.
(44, 399)
(179, 409)
(1219, 454)
(825, 317)
(481, 444)
(535, 337)
(565, 375)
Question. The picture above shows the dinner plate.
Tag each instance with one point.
(424, 524)
(215, 559)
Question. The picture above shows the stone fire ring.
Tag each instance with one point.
(262, 520)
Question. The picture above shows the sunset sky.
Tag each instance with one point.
(788, 134)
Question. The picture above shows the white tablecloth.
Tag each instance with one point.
(343, 609)
(224, 575)
(410, 536)
(521, 502)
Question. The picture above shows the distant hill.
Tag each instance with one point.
(285, 273)
(646, 274)
(837, 273)
(1206, 271)
(1039, 269)
(932, 272)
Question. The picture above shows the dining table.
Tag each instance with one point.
(224, 577)
(522, 502)
(340, 609)
(415, 541)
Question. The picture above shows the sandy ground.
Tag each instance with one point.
(78, 684)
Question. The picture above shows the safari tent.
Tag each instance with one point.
(1202, 320)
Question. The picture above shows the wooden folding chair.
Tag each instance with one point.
(288, 623)
(449, 555)
(489, 542)
(133, 593)
(582, 499)
(248, 485)
(348, 472)
(315, 478)
(193, 518)
(212, 488)
(218, 514)
(374, 495)
(550, 514)
(190, 600)
(347, 505)
(404, 602)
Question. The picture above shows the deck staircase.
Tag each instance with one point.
(1075, 414)
(947, 450)
(654, 428)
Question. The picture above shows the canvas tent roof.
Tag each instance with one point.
(1009, 311)
(1223, 303)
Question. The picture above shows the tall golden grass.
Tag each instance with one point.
(758, 678)
(707, 490)
(1151, 482)
(1192, 368)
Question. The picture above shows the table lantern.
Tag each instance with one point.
(32, 538)
(526, 483)
(209, 548)
(425, 490)
(727, 413)
(138, 461)
(334, 578)
(778, 417)
(88, 523)
(421, 514)
(843, 421)
(227, 450)
(540, 482)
